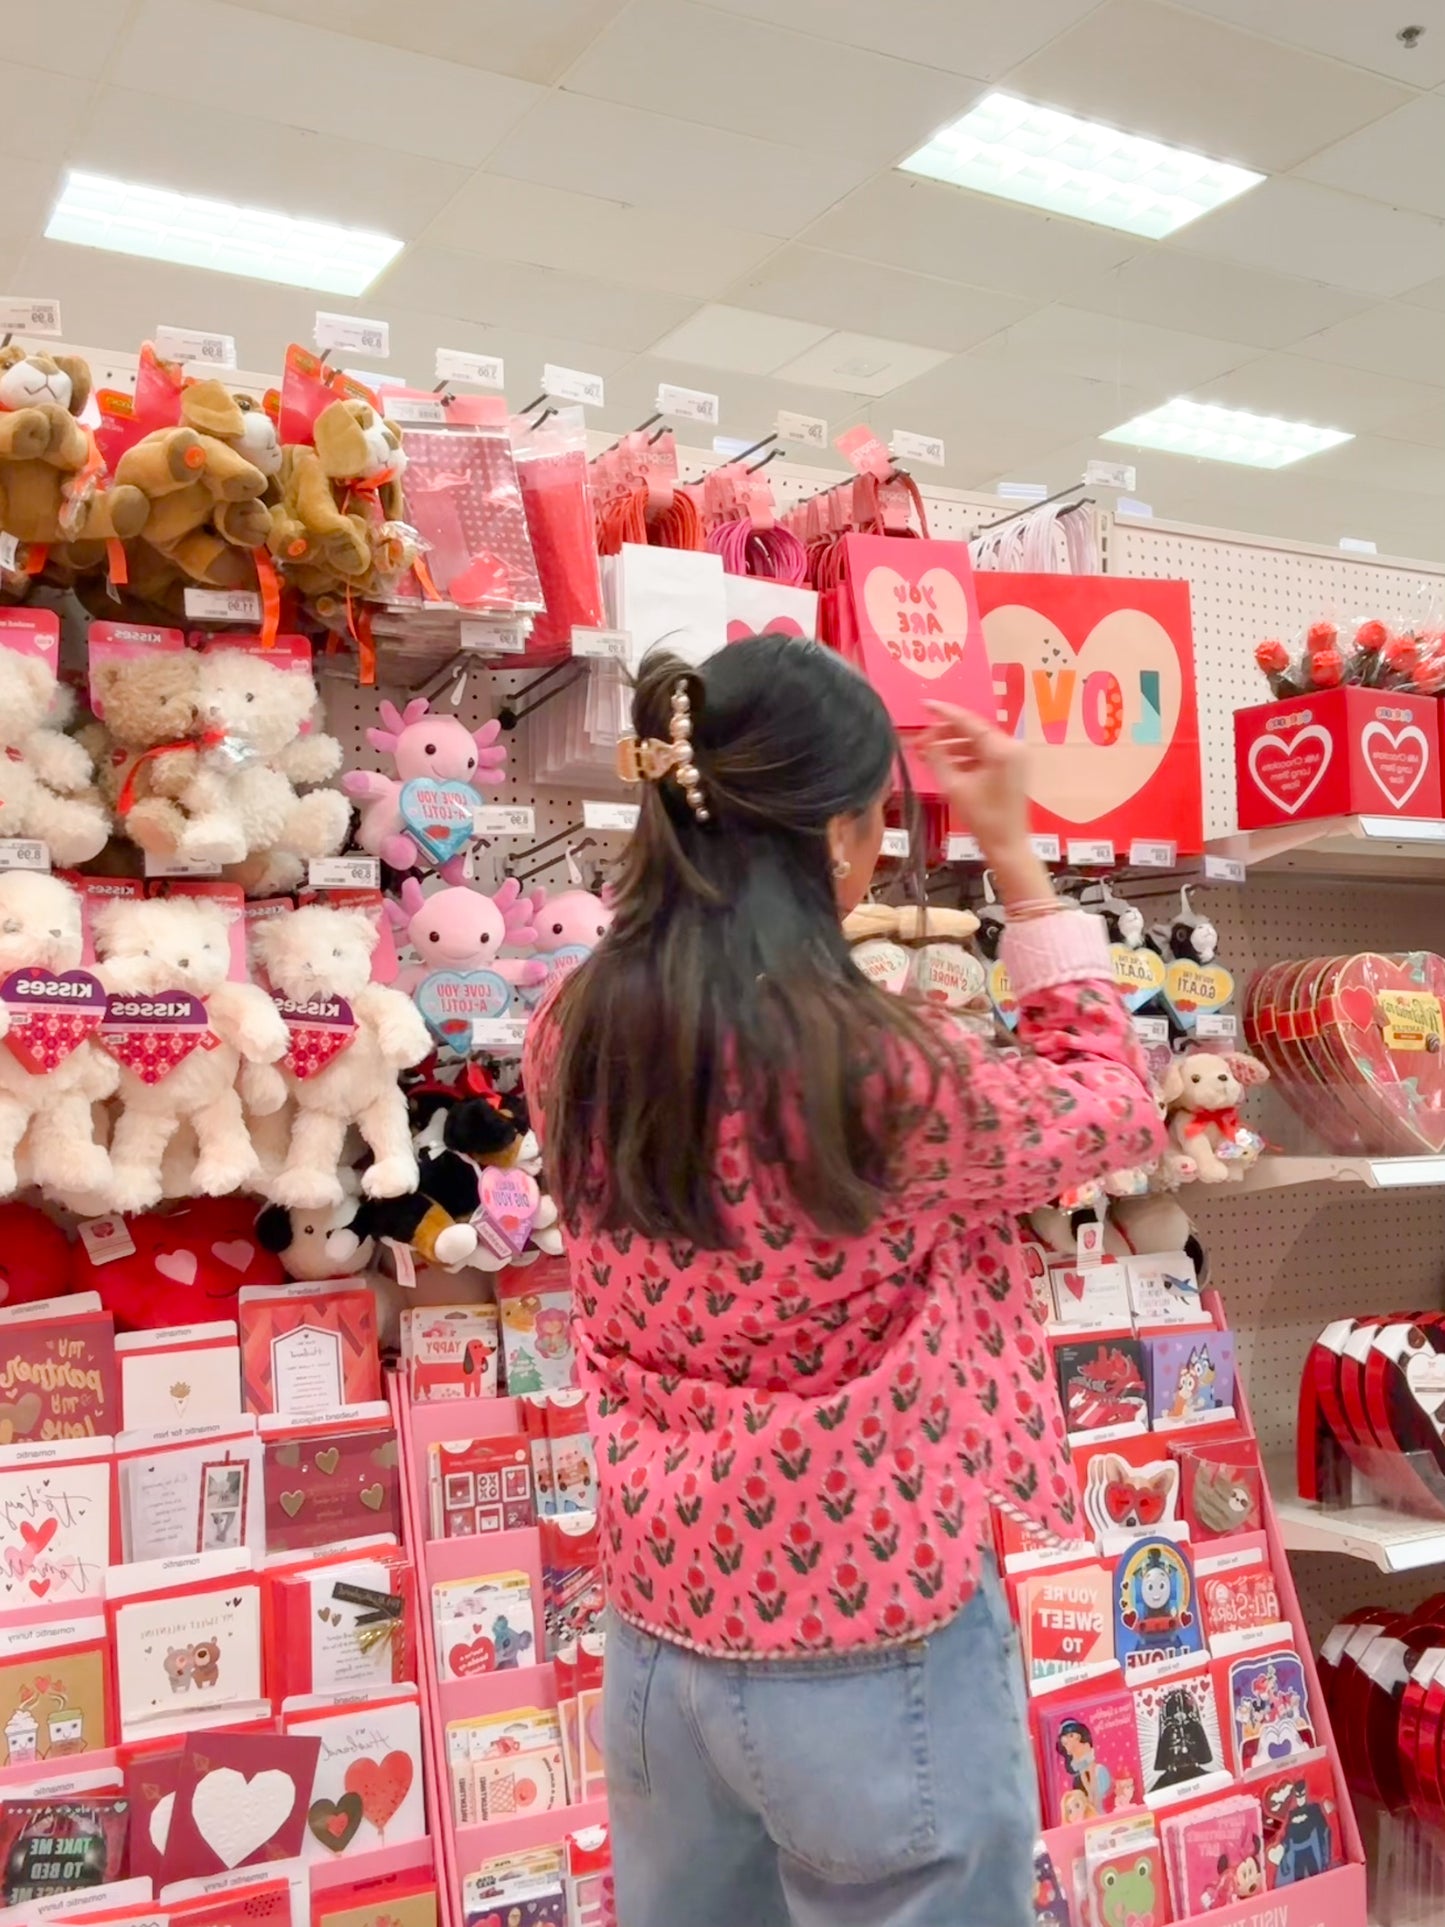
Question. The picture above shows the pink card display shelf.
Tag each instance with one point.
(1333, 1899)
(464, 1849)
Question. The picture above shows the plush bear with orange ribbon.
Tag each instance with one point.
(52, 480)
(208, 513)
(152, 722)
(339, 526)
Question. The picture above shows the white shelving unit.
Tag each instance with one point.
(1376, 1174)
(1392, 1542)
(1384, 848)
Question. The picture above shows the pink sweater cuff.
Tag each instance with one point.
(1062, 949)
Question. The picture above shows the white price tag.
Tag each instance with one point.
(615, 645)
(223, 605)
(609, 816)
(373, 379)
(1090, 851)
(1008, 491)
(344, 332)
(495, 638)
(687, 404)
(504, 819)
(1358, 545)
(1216, 1023)
(895, 843)
(1153, 856)
(190, 344)
(962, 849)
(917, 448)
(1151, 1030)
(24, 853)
(810, 430)
(23, 314)
(9, 551)
(1223, 869)
(343, 873)
(499, 1033)
(1141, 511)
(482, 371)
(1046, 849)
(1110, 475)
(178, 866)
(412, 409)
(1421, 829)
(571, 384)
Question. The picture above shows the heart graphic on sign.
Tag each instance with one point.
(1075, 1284)
(382, 1785)
(1290, 772)
(236, 1816)
(179, 1266)
(923, 627)
(291, 1502)
(438, 814)
(151, 1035)
(510, 1200)
(334, 1823)
(37, 1538)
(328, 1460)
(289, 1453)
(51, 1015)
(19, 1419)
(477, 1656)
(1397, 761)
(451, 1001)
(372, 1497)
(1052, 686)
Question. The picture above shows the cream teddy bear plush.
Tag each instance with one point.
(45, 777)
(318, 962)
(50, 1110)
(183, 944)
(1201, 1091)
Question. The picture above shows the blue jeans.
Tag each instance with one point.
(893, 1787)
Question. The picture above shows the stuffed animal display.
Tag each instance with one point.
(420, 817)
(1202, 1092)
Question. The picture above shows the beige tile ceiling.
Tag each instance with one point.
(705, 191)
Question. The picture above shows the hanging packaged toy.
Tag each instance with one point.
(1139, 970)
(1196, 981)
(421, 817)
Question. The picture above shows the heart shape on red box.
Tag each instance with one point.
(1396, 1092)
(1290, 772)
(1397, 760)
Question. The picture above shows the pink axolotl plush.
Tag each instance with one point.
(460, 929)
(436, 756)
(569, 928)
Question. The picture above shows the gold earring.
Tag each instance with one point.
(841, 868)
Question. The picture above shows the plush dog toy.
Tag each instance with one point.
(340, 521)
(206, 493)
(457, 1137)
(1201, 1091)
(50, 472)
(318, 962)
(421, 815)
(177, 950)
(329, 1243)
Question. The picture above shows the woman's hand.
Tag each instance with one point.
(983, 774)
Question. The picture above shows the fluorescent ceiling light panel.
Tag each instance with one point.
(1053, 160)
(1219, 434)
(124, 217)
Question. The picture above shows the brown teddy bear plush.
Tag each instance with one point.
(50, 474)
(152, 719)
(326, 535)
(206, 493)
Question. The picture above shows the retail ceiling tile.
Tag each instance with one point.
(840, 291)
(40, 117)
(860, 364)
(530, 41)
(624, 154)
(966, 36)
(727, 71)
(946, 231)
(724, 338)
(79, 46)
(1315, 392)
(1424, 425)
(1297, 227)
(1074, 341)
(973, 392)
(1397, 160)
(1171, 289)
(1378, 462)
(518, 294)
(1393, 338)
(1363, 34)
(1152, 69)
(678, 253)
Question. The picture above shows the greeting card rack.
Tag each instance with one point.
(463, 1849)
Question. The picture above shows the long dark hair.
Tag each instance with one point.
(725, 981)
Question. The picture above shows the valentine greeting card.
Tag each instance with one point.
(1179, 1739)
(193, 1497)
(1301, 1821)
(309, 1351)
(345, 1626)
(55, 1523)
(240, 1799)
(57, 1375)
(1220, 1485)
(1164, 1289)
(1101, 1383)
(1238, 1599)
(480, 1485)
(915, 615)
(1156, 1613)
(1130, 1488)
(1066, 1625)
(368, 1785)
(179, 1375)
(1268, 1704)
(484, 1625)
(1124, 1885)
(327, 1484)
(151, 1776)
(1215, 1856)
(189, 1658)
(54, 1691)
(61, 1846)
(1089, 1753)
(1191, 1377)
(1090, 1297)
(410, 1905)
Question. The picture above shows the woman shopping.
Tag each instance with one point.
(791, 1201)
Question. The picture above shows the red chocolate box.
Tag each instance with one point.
(1340, 752)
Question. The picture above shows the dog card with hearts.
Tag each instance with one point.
(196, 1494)
(241, 1799)
(328, 1484)
(57, 1373)
(189, 1656)
(368, 1787)
(307, 1351)
(55, 1524)
(54, 1691)
(179, 1375)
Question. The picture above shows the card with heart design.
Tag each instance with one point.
(1267, 1702)
(55, 1524)
(437, 812)
(252, 1900)
(57, 1375)
(1238, 1598)
(451, 1001)
(1381, 1037)
(189, 1657)
(1098, 671)
(346, 1624)
(200, 1492)
(1090, 1297)
(480, 1485)
(307, 1350)
(484, 1625)
(915, 615)
(377, 1903)
(327, 1484)
(55, 1699)
(368, 1785)
(151, 1775)
(241, 1800)
(179, 1375)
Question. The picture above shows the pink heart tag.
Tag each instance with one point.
(508, 1209)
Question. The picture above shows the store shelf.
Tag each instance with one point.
(1401, 849)
(1376, 1174)
(1391, 1541)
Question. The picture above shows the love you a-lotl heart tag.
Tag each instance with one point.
(438, 813)
(151, 1035)
(451, 1001)
(51, 1014)
(508, 1208)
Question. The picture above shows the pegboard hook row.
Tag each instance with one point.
(509, 715)
(573, 849)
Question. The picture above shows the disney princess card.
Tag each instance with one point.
(1089, 1756)
(1156, 1611)
(1267, 1700)
(1191, 1378)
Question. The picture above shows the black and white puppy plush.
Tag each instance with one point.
(335, 1242)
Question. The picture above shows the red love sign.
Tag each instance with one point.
(465, 1661)
(52, 1013)
(1397, 759)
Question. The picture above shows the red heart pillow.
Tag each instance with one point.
(189, 1262)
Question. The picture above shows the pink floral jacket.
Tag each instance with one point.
(799, 1438)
